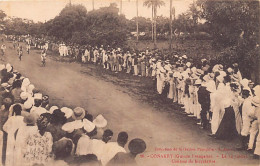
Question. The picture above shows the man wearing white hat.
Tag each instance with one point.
(100, 122)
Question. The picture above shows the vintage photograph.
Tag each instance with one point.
(129, 82)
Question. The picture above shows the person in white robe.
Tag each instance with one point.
(160, 80)
(246, 107)
(10, 127)
(197, 109)
(171, 82)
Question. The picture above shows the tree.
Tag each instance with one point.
(71, 19)
(144, 24)
(235, 24)
(195, 14)
(16, 26)
(154, 4)
(106, 27)
(2, 15)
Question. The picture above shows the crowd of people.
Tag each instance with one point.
(216, 95)
(34, 133)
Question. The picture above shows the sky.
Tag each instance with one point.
(44, 10)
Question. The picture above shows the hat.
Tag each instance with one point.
(24, 95)
(198, 82)
(78, 113)
(188, 64)
(29, 119)
(256, 101)
(53, 108)
(251, 82)
(137, 146)
(30, 88)
(184, 56)
(202, 60)
(2, 66)
(5, 85)
(220, 67)
(167, 61)
(199, 72)
(229, 70)
(88, 126)
(100, 121)
(26, 82)
(38, 96)
(68, 112)
(28, 104)
(8, 67)
(193, 69)
(211, 75)
(235, 65)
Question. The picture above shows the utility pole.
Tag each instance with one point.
(170, 25)
(121, 1)
(152, 21)
(137, 29)
(93, 5)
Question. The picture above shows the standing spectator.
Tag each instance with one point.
(28, 47)
(135, 146)
(3, 48)
(10, 127)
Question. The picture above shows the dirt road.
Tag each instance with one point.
(74, 84)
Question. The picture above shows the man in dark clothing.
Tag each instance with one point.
(204, 100)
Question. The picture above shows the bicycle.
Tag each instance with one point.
(44, 61)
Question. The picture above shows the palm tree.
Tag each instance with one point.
(154, 4)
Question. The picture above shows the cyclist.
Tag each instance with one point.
(43, 57)
(20, 52)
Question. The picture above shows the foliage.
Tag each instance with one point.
(144, 24)
(235, 26)
(2, 15)
(70, 19)
(231, 20)
(16, 26)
